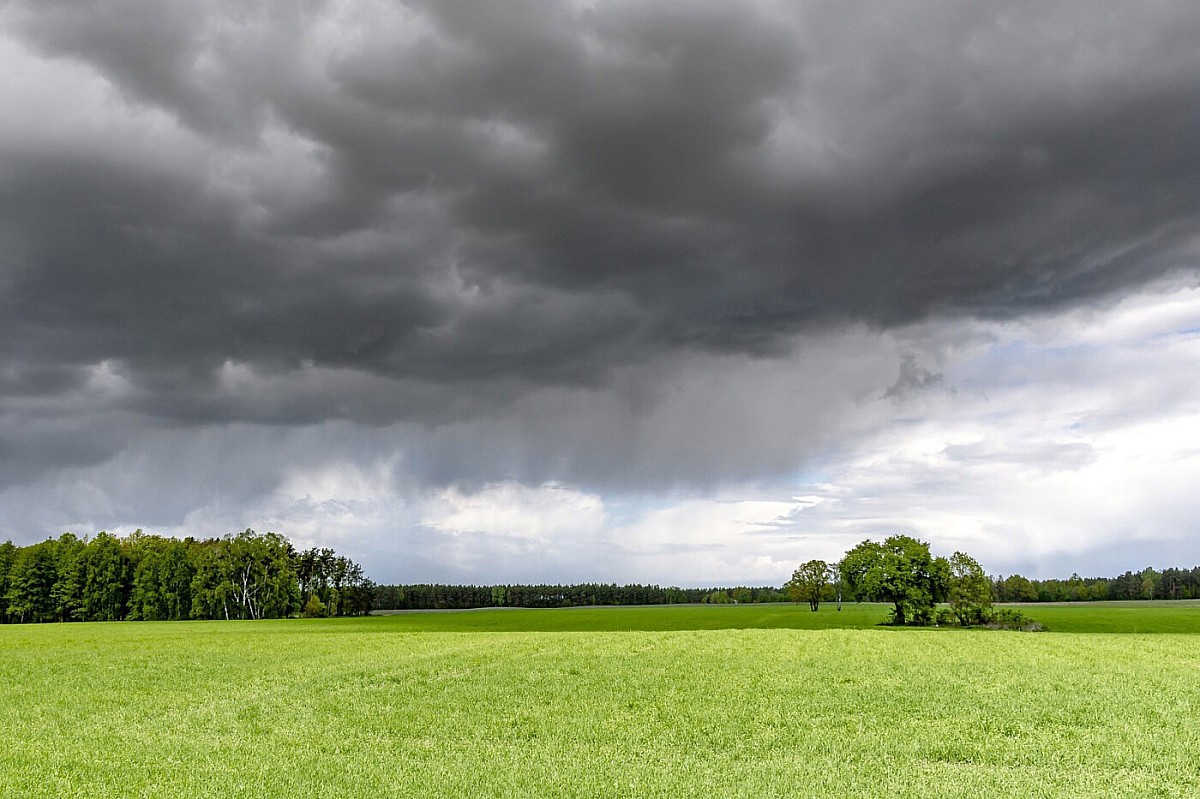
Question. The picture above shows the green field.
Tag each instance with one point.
(1090, 617)
(677, 701)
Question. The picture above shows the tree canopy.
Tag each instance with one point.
(901, 571)
(808, 583)
(970, 590)
(248, 575)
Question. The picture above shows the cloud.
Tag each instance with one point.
(649, 253)
(539, 514)
(422, 193)
(1052, 454)
(913, 377)
(1037, 454)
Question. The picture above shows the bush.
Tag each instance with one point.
(1012, 619)
(944, 617)
(314, 608)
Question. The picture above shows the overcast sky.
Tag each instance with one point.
(674, 292)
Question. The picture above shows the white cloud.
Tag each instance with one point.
(708, 541)
(1053, 445)
(544, 513)
(340, 482)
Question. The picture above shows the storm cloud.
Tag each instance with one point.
(624, 246)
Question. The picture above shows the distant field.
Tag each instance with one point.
(1181, 616)
(653, 618)
(1124, 617)
(637, 702)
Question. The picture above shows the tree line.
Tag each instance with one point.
(427, 596)
(149, 577)
(258, 576)
(1149, 583)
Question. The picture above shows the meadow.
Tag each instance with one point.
(638, 702)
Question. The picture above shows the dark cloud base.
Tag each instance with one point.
(428, 213)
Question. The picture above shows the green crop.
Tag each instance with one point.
(433, 705)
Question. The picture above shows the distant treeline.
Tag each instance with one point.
(460, 597)
(149, 577)
(261, 576)
(1146, 584)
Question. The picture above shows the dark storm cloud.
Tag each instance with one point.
(390, 212)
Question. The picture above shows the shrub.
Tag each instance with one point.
(314, 608)
(1012, 619)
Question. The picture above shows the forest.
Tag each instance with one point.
(148, 577)
(428, 596)
(249, 575)
(1149, 583)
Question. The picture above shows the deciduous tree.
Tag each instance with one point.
(106, 579)
(970, 593)
(1019, 589)
(31, 583)
(900, 571)
(70, 564)
(808, 583)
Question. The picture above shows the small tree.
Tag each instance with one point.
(808, 583)
(314, 608)
(970, 592)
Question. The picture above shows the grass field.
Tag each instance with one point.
(1107, 617)
(683, 701)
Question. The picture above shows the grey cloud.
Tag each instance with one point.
(913, 377)
(427, 213)
(32, 446)
(1045, 456)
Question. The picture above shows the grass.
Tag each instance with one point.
(1118, 617)
(1081, 617)
(684, 701)
(653, 618)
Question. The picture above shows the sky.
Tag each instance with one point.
(667, 292)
